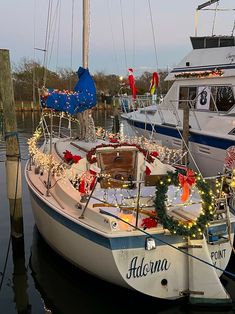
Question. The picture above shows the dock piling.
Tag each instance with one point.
(13, 162)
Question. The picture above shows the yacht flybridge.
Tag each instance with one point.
(204, 82)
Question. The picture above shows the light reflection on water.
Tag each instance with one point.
(38, 281)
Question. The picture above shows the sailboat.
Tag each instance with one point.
(203, 82)
(123, 209)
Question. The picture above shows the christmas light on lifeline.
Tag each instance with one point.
(132, 83)
(154, 83)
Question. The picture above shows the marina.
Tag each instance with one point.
(49, 281)
(200, 99)
(100, 206)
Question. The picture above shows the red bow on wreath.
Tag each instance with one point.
(186, 183)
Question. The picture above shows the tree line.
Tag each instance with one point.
(30, 76)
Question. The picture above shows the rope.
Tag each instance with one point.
(10, 238)
(123, 35)
(171, 245)
(154, 42)
(53, 23)
(58, 35)
(133, 61)
(113, 41)
(213, 26)
(154, 39)
(46, 42)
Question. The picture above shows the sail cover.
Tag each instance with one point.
(82, 98)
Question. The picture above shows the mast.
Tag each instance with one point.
(87, 127)
(86, 31)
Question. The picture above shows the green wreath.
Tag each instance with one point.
(177, 227)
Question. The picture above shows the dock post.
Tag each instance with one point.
(185, 133)
(13, 163)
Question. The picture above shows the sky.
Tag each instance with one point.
(123, 33)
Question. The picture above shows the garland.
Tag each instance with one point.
(150, 157)
(192, 229)
(200, 74)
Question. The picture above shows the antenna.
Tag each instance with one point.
(233, 28)
(213, 27)
(206, 4)
(200, 7)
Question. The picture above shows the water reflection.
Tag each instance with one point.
(51, 285)
(66, 289)
(20, 276)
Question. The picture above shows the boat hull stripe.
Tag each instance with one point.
(116, 243)
(196, 138)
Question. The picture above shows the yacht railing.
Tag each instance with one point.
(58, 125)
(127, 104)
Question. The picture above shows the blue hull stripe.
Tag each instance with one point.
(110, 243)
(196, 138)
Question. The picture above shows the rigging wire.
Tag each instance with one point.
(133, 61)
(153, 33)
(58, 34)
(213, 25)
(54, 23)
(123, 35)
(46, 42)
(154, 43)
(112, 36)
(34, 53)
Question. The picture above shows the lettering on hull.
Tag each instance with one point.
(139, 268)
(218, 255)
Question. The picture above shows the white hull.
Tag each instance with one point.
(161, 273)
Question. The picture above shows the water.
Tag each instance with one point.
(36, 280)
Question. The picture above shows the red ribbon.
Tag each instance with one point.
(186, 183)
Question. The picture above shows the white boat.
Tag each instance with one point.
(203, 81)
(123, 211)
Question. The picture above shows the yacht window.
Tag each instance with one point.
(211, 98)
(148, 111)
(186, 95)
(224, 98)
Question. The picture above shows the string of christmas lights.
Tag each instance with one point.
(200, 74)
